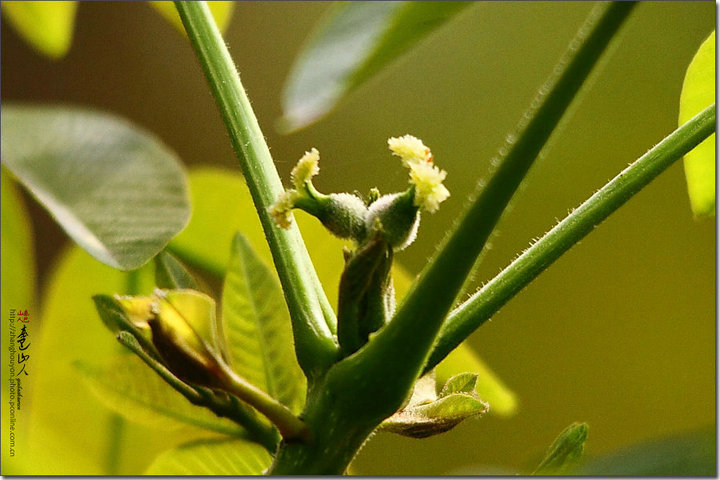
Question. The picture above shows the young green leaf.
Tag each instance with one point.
(127, 386)
(489, 387)
(115, 188)
(461, 383)
(426, 413)
(220, 404)
(691, 454)
(423, 392)
(698, 92)
(435, 417)
(47, 26)
(565, 450)
(360, 271)
(221, 11)
(258, 329)
(171, 274)
(356, 40)
(219, 457)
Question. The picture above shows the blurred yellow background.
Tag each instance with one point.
(620, 333)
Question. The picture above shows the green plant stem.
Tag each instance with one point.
(312, 317)
(257, 430)
(290, 426)
(488, 300)
(398, 353)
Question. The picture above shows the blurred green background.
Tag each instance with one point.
(619, 333)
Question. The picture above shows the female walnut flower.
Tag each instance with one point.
(341, 213)
(306, 168)
(394, 218)
(425, 177)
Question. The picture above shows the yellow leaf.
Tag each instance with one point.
(47, 26)
(698, 92)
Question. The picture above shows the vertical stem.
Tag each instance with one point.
(312, 317)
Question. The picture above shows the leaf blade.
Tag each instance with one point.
(128, 387)
(170, 273)
(73, 332)
(698, 92)
(115, 189)
(489, 387)
(565, 450)
(258, 327)
(212, 458)
(435, 417)
(356, 40)
(687, 454)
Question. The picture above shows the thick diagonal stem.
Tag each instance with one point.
(481, 306)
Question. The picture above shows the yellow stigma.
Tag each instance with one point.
(424, 175)
(306, 168)
(429, 189)
(410, 149)
(280, 210)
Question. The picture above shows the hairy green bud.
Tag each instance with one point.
(395, 218)
(343, 214)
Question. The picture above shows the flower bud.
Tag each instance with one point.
(395, 217)
(343, 214)
(184, 333)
